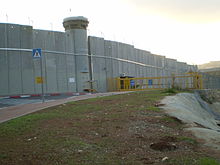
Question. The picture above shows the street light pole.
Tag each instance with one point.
(42, 80)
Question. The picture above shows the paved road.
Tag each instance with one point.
(11, 112)
(20, 101)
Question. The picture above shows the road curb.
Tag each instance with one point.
(48, 94)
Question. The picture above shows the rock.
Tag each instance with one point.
(210, 95)
(158, 104)
(164, 159)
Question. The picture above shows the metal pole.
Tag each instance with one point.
(42, 81)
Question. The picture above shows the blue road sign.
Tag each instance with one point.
(132, 83)
(150, 82)
(36, 53)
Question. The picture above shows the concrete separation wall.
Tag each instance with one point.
(18, 69)
(72, 61)
(110, 59)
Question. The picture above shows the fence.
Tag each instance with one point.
(210, 81)
(184, 81)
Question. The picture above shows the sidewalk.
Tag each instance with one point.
(21, 110)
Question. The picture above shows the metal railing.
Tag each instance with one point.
(184, 81)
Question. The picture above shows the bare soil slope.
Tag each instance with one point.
(121, 129)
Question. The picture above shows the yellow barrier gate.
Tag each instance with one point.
(185, 81)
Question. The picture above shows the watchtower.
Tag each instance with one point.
(76, 27)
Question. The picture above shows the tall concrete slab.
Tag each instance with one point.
(109, 60)
(145, 74)
(108, 53)
(61, 74)
(51, 72)
(142, 61)
(122, 55)
(4, 35)
(126, 56)
(139, 60)
(151, 60)
(4, 65)
(14, 60)
(49, 42)
(26, 42)
(26, 37)
(61, 71)
(96, 49)
(136, 62)
(15, 85)
(131, 57)
(28, 78)
(116, 63)
(39, 37)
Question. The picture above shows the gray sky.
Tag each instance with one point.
(187, 30)
(192, 11)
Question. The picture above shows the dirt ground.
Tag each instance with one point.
(122, 129)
